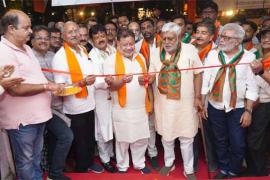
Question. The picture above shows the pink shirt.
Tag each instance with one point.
(28, 109)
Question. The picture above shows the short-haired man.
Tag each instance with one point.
(232, 90)
(129, 112)
(180, 20)
(204, 43)
(177, 96)
(55, 39)
(123, 21)
(79, 107)
(159, 25)
(134, 26)
(209, 11)
(60, 136)
(25, 107)
(84, 37)
(111, 31)
(250, 30)
(103, 110)
(149, 46)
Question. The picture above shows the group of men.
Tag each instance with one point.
(136, 79)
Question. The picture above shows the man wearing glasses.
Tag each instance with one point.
(232, 90)
(55, 40)
(60, 135)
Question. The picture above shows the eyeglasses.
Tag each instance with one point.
(227, 38)
(55, 38)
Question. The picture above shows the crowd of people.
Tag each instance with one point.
(137, 79)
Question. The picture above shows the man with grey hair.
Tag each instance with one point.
(177, 97)
(73, 57)
(232, 91)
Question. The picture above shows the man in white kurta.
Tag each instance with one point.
(103, 110)
(130, 122)
(177, 118)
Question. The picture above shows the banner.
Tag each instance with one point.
(77, 2)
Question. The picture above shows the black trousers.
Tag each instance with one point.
(258, 140)
(83, 127)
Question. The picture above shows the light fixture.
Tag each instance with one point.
(81, 13)
(229, 13)
(93, 13)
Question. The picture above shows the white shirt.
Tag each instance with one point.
(73, 105)
(264, 90)
(245, 81)
(2, 90)
(152, 47)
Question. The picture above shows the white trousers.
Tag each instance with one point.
(152, 149)
(105, 150)
(137, 149)
(186, 146)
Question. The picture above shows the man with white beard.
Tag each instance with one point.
(232, 90)
(177, 97)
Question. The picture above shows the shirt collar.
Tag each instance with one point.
(11, 45)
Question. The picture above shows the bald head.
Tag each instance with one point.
(12, 17)
(17, 27)
(71, 34)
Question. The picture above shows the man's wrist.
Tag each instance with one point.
(46, 87)
(248, 110)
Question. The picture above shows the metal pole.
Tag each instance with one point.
(113, 11)
(204, 146)
(4, 3)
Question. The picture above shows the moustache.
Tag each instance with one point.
(101, 42)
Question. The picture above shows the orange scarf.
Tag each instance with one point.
(249, 45)
(74, 66)
(145, 51)
(122, 92)
(204, 51)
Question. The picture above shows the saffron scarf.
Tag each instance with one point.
(204, 51)
(122, 92)
(249, 46)
(169, 79)
(217, 91)
(74, 66)
(145, 50)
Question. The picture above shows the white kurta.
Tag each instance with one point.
(103, 110)
(130, 123)
(177, 118)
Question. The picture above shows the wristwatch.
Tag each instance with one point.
(248, 110)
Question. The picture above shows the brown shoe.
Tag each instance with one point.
(190, 176)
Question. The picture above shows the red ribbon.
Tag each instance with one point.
(155, 72)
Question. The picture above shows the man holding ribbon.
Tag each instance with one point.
(79, 107)
(232, 90)
(25, 107)
(130, 103)
(177, 97)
